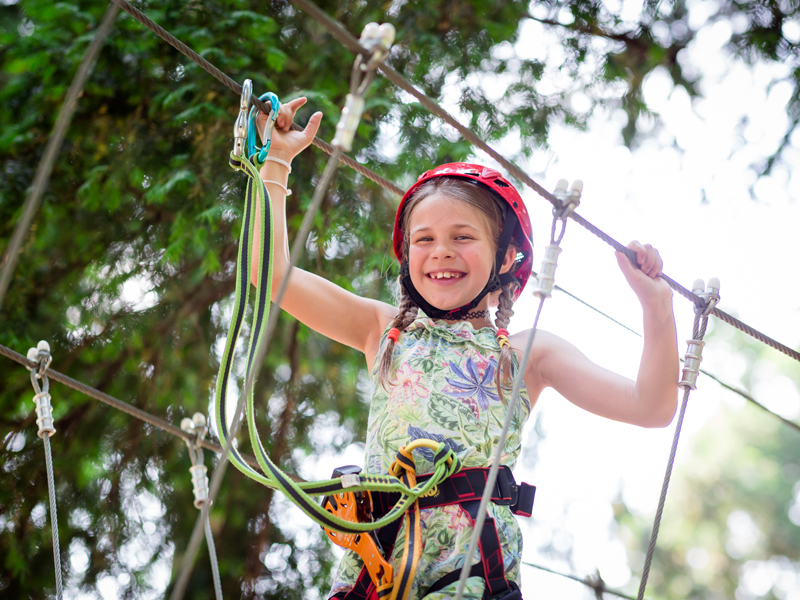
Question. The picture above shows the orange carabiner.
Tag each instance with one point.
(356, 507)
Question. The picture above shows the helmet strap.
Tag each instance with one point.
(496, 280)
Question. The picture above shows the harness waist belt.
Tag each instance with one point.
(466, 485)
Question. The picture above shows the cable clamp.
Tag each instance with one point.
(570, 200)
(197, 425)
(44, 409)
(199, 485)
(44, 415)
(546, 279)
(377, 39)
(240, 126)
(691, 364)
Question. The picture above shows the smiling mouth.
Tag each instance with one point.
(446, 275)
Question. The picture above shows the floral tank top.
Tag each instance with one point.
(442, 387)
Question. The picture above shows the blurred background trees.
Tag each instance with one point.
(127, 270)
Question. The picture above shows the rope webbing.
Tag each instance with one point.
(51, 150)
(351, 43)
(235, 87)
(595, 584)
(119, 404)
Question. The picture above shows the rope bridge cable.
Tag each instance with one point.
(351, 43)
(138, 413)
(45, 167)
(232, 85)
(728, 386)
(595, 584)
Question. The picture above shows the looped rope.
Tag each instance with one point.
(44, 420)
(691, 365)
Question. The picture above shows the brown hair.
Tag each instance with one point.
(477, 197)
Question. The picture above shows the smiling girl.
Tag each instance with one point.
(441, 370)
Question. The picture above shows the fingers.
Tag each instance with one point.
(286, 113)
(312, 127)
(648, 258)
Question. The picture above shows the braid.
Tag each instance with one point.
(505, 311)
(406, 313)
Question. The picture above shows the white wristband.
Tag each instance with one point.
(280, 185)
(279, 161)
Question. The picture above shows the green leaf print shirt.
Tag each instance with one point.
(442, 387)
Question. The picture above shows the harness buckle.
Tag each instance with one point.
(356, 507)
(507, 487)
(512, 593)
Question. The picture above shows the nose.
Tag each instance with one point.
(442, 249)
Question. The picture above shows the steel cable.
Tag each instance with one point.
(351, 43)
(235, 87)
(698, 333)
(51, 150)
(120, 405)
(595, 584)
(51, 489)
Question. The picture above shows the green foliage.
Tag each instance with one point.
(128, 268)
(731, 526)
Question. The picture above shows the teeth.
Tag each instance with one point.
(446, 275)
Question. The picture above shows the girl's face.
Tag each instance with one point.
(451, 252)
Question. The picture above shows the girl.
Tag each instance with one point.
(441, 370)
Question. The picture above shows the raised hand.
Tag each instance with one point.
(286, 144)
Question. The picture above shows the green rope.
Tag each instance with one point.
(303, 494)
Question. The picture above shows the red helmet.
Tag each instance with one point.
(502, 188)
(517, 226)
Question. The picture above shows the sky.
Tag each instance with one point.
(690, 190)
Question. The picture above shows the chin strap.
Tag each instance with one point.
(495, 281)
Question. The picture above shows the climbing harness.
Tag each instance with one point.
(198, 428)
(691, 366)
(544, 284)
(516, 225)
(44, 419)
(463, 488)
(256, 195)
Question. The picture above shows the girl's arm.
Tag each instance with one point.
(651, 400)
(323, 306)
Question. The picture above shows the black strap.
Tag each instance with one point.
(468, 484)
(465, 488)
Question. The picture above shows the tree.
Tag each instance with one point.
(732, 521)
(127, 271)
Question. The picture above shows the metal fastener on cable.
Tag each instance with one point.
(378, 39)
(198, 427)
(44, 408)
(240, 126)
(694, 351)
(569, 201)
(44, 419)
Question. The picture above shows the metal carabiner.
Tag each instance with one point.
(266, 135)
(240, 126)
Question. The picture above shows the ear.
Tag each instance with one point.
(509, 259)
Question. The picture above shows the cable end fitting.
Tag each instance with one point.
(547, 274)
(691, 364)
(44, 415)
(348, 122)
